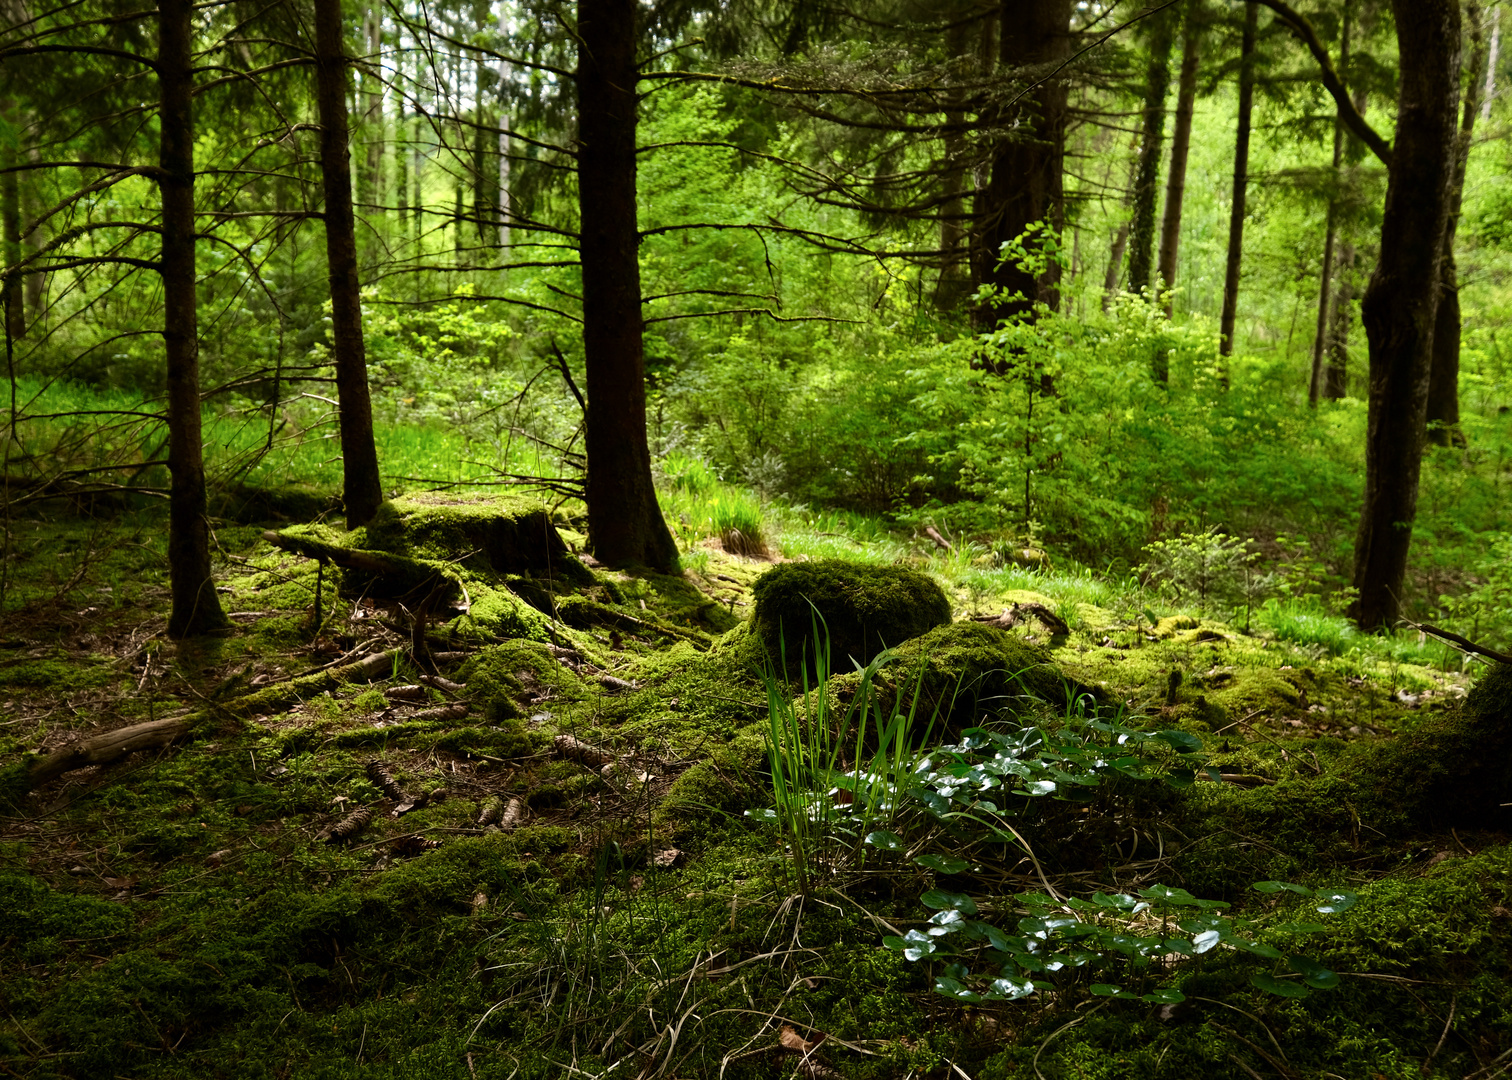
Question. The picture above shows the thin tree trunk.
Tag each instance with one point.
(1181, 143)
(625, 525)
(1443, 384)
(11, 295)
(196, 608)
(954, 283)
(373, 112)
(1336, 375)
(1151, 149)
(1325, 276)
(1230, 313)
(1398, 312)
(1490, 91)
(362, 490)
(1026, 184)
(1115, 267)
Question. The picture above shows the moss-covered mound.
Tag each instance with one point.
(1453, 771)
(864, 609)
(512, 535)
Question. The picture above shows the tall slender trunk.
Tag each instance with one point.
(1330, 235)
(1151, 149)
(1398, 312)
(1336, 374)
(1115, 267)
(11, 295)
(1181, 143)
(372, 113)
(1495, 58)
(1230, 313)
(1026, 184)
(954, 283)
(362, 490)
(625, 525)
(1443, 383)
(196, 608)
(31, 210)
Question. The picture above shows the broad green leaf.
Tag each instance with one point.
(887, 841)
(946, 922)
(765, 817)
(1182, 742)
(1166, 996)
(953, 989)
(917, 945)
(1205, 941)
(1335, 900)
(1105, 989)
(1011, 989)
(1270, 952)
(950, 901)
(1313, 973)
(1278, 886)
(1040, 787)
(1280, 987)
(945, 864)
(1180, 778)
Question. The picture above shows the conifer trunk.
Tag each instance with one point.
(362, 490)
(11, 295)
(1151, 149)
(1398, 312)
(625, 525)
(1230, 314)
(1181, 143)
(1026, 184)
(196, 608)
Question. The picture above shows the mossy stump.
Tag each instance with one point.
(514, 536)
(862, 608)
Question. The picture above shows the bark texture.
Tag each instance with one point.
(1181, 144)
(1026, 183)
(625, 525)
(362, 489)
(1398, 312)
(196, 607)
(1151, 148)
(1230, 313)
(10, 223)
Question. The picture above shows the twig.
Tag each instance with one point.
(1464, 644)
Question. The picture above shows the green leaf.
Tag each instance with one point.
(1180, 778)
(1280, 987)
(1008, 989)
(1205, 941)
(945, 864)
(1270, 952)
(949, 901)
(1165, 996)
(1106, 990)
(1335, 900)
(887, 841)
(917, 945)
(765, 817)
(1183, 742)
(953, 989)
(1278, 886)
(1313, 973)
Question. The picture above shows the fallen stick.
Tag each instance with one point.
(103, 749)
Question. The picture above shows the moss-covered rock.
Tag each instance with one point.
(502, 679)
(864, 609)
(512, 535)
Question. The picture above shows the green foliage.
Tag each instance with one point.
(1217, 573)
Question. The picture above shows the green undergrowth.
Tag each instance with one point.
(187, 912)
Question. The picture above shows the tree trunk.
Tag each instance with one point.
(1181, 143)
(1443, 384)
(1241, 184)
(362, 489)
(1336, 375)
(954, 283)
(11, 296)
(196, 608)
(1151, 148)
(1325, 276)
(373, 110)
(1398, 312)
(1026, 181)
(1115, 267)
(625, 524)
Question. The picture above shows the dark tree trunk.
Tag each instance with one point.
(1181, 143)
(954, 283)
(196, 608)
(1230, 314)
(11, 296)
(1026, 182)
(1398, 312)
(1443, 384)
(362, 490)
(1325, 277)
(1151, 148)
(625, 524)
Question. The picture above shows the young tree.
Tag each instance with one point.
(1230, 314)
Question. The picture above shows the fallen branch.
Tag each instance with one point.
(1464, 644)
(103, 749)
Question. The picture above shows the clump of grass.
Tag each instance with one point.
(736, 519)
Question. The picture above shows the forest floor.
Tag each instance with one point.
(453, 817)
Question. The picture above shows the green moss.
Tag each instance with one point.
(500, 679)
(57, 675)
(508, 534)
(864, 609)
